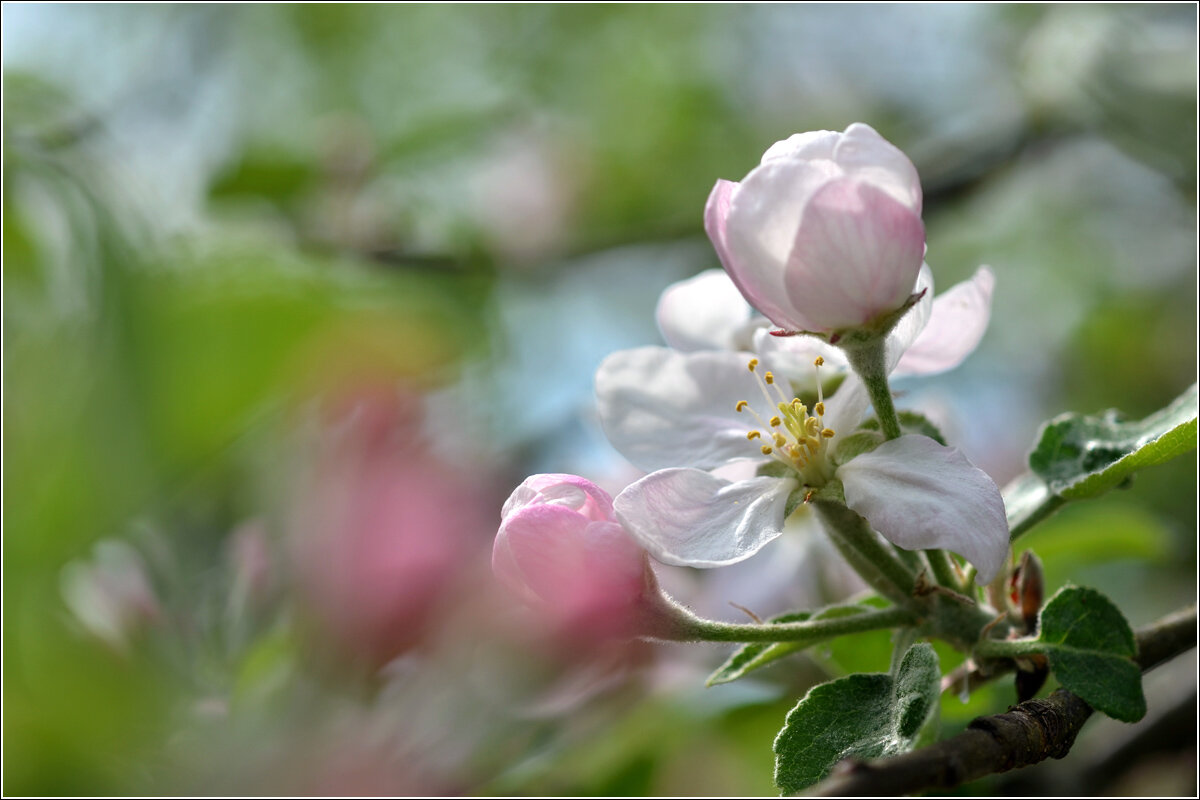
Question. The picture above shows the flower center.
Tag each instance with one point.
(790, 435)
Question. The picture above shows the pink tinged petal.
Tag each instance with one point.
(569, 491)
(912, 323)
(867, 156)
(856, 255)
(957, 323)
(761, 226)
(660, 408)
(705, 312)
(808, 145)
(921, 495)
(691, 518)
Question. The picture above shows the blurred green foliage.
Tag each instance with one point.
(214, 215)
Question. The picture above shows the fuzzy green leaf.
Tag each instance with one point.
(1091, 649)
(866, 716)
(1080, 457)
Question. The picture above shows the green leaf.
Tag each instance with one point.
(866, 716)
(1091, 648)
(1080, 457)
(750, 657)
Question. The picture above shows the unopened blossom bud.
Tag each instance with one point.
(110, 595)
(561, 550)
(826, 233)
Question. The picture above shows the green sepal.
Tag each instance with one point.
(857, 443)
(1091, 649)
(1081, 457)
(774, 469)
(750, 657)
(864, 715)
(910, 422)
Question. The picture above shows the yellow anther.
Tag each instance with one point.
(776, 422)
(741, 404)
(812, 444)
(769, 378)
(819, 362)
(779, 440)
(819, 408)
(766, 451)
(827, 433)
(753, 435)
(753, 365)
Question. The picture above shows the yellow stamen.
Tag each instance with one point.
(828, 433)
(780, 441)
(753, 435)
(819, 362)
(741, 405)
(769, 378)
(753, 365)
(820, 409)
(766, 451)
(776, 422)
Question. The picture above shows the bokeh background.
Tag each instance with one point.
(294, 296)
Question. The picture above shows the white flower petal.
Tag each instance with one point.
(846, 409)
(810, 144)
(661, 408)
(691, 518)
(706, 312)
(911, 324)
(921, 495)
(866, 155)
(957, 323)
(794, 356)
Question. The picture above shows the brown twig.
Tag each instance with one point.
(1030, 732)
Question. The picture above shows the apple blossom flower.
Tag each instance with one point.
(707, 312)
(559, 548)
(681, 415)
(826, 233)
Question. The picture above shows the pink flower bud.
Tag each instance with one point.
(826, 233)
(560, 548)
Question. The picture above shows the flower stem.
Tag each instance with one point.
(809, 632)
(868, 360)
(944, 570)
(1008, 648)
(877, 563)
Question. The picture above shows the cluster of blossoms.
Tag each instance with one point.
(758, 404)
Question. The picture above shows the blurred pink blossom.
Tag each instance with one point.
(382, 532)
